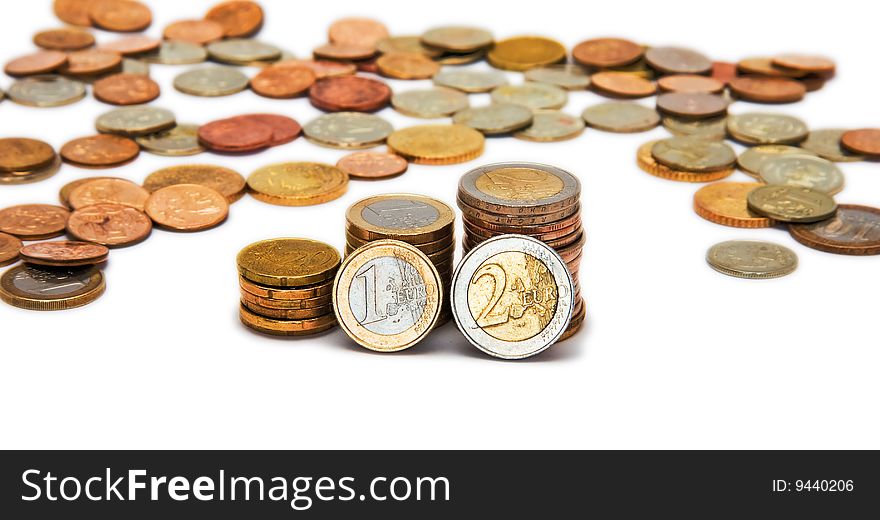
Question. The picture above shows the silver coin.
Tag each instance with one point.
(692, 154)
(429, 103)
(211, 81)
(175, 52)
(568, 76)
(714, 129)
(497, 118)
(763, 128)
(400, 214)
(135, 121)
(132, 66)
(46, 91)
(621, 117)
(458, 39)
(348, 130)
(535, 96)
(242, 51)
(751, 160)
(826, 144)
(512, 297)
(752, 259)
(519, 188)
(805, 171)
(550, 126)
(175, 142)
(471, 81)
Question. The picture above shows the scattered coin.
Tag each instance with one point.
(235, 135)
(693, 154)
(28, 176)
(690, 84)
(111, 225)
(569, 77)
(135, 121)
(348, 130)
(761, 128)
(176, 52)
(23, 154)
(199, 32)
(437, 144)
(187, 207)
(40, 62)
(622, 84)
(242, 51)
(607, 52)
(284, 129)
(723, 71)
(238, 18)
(100, 151)
(365, 32)
(9, 249)
(406, 44)
(211, 81)
(283, 82)
(322, 69)
(853, 230)
(67, 189)
(826, 144)
(458, 39)
(407, 65)
(550, 126)
(792, 203)
(228, 183)
(91, 62)
(806, 171)
(349, 94)
(767, 89)
(752, 259)
(132, 45)
(646, 161)
(135, 66)
(372, 165)
(471, 81)
(726, 203)
(676, 60)
(865, 141)
(288, 262)
(74, 12)
(119, 15)
(33, 221)
(621, 117)
(763, 66)
(525, 52)
(536, 96)
(805, 63)
(46, 91)
(108, 191)
(298, 183)
(751, 160)
(497, 118)
(51, 289)
(64, 253)
(713, 129)
(429, 103)
(178, 141)
(691, 105)
(126, 89)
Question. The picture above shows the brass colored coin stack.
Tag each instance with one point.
(423, 222)
(529, 199)
(286, 286)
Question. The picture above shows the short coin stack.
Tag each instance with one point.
(420, 221)
(286, 286)
(529, 199)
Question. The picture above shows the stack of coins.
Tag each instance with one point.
(24, 160)
(286, 286)
(420, 221)
(529, 199)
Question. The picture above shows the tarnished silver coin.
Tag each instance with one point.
(211, 81)
(536, 96)
(621, 117)
(568, 76)
(135, 121)
(763, 128)
(751, 160)
(806, 171)
(551, 125)
(461, 59)
(430, 103)
(348, 130)
(471, 81)
(791, 203)
(177, 52)
(175, 142)
(242, 51)
(752, 259)
(46, 91)
(457, 39)
(133, 66)
(692, 154)
(826, 144)
(512, 296)
(714, 129)
(497, 118)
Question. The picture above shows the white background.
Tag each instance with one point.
(674, 355)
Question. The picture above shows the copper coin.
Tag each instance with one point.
(765, 67)
(100, 151)
(321, 68)
(39, 62)
(622, 84)
(362, 32)
(767, 90)
(132, 45)
(690, 84)
(853, 230)
(67, 189)
(20, 154)
(372, 165)
(64, 253)
(805, 63)
(343, 52)
(200, 32)
(723, 71)
(238, 18)
(865, 141)
(111, 191)
(9, 248)
(691, 106)
(370, 65)
(187, 207)
(64, 39)
(607, 52)
(283, 82)
(284, 129)
(349, 93)
(126, 89)
(111, 225)
(407, 65)
(120, 15)
(75, 12)
(236, 135)
(676, 60)
(33, 221)
(91, 62)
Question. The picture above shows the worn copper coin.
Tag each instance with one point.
(726, 203)
(690, 84)
(181, 140)
(805, 63)
(18, 154)
(607, 52)
(691, 105)
(364, 32)
(284, 129)
(120, 15)
(342, 52)
(91, 62)
(126, 89)
(236, 135)
(372, 165)
(865, 141)
(239, 18)
(67, 189)
(283, 82)
(132, 45)
(40, 62)
(64, 39)
(75, 12)
(33, 221)
(761, 66)
(791, 203)
(200, 32)
(349, 93)
(321, 68)
(826, 144)
(622, 117)
(622, 84)
(677, 60)
(100, 151)
(767, 90)
(853, 230)
(111, 225)
(187, 207)
(9, 249)
(112, 191)
(64, 253)
(228, 183)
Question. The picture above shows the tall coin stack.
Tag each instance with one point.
(423, 222)
(530, 199)
(286, 286)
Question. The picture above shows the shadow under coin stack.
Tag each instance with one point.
(529, 199)
(286, 286)
(420, 221)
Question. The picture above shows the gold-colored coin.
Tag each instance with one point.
(407, 65)
(526, 52)
(298, 183)
(726, 203)
(277, 327)
(228, 183)
(647, 163)
(286, 314)
(437, 144)
(318, 302)
(414, 219)
(305, 292)
(51, 289)
(288, 262)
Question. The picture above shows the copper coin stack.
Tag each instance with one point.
(423, 222)
(529, 199)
